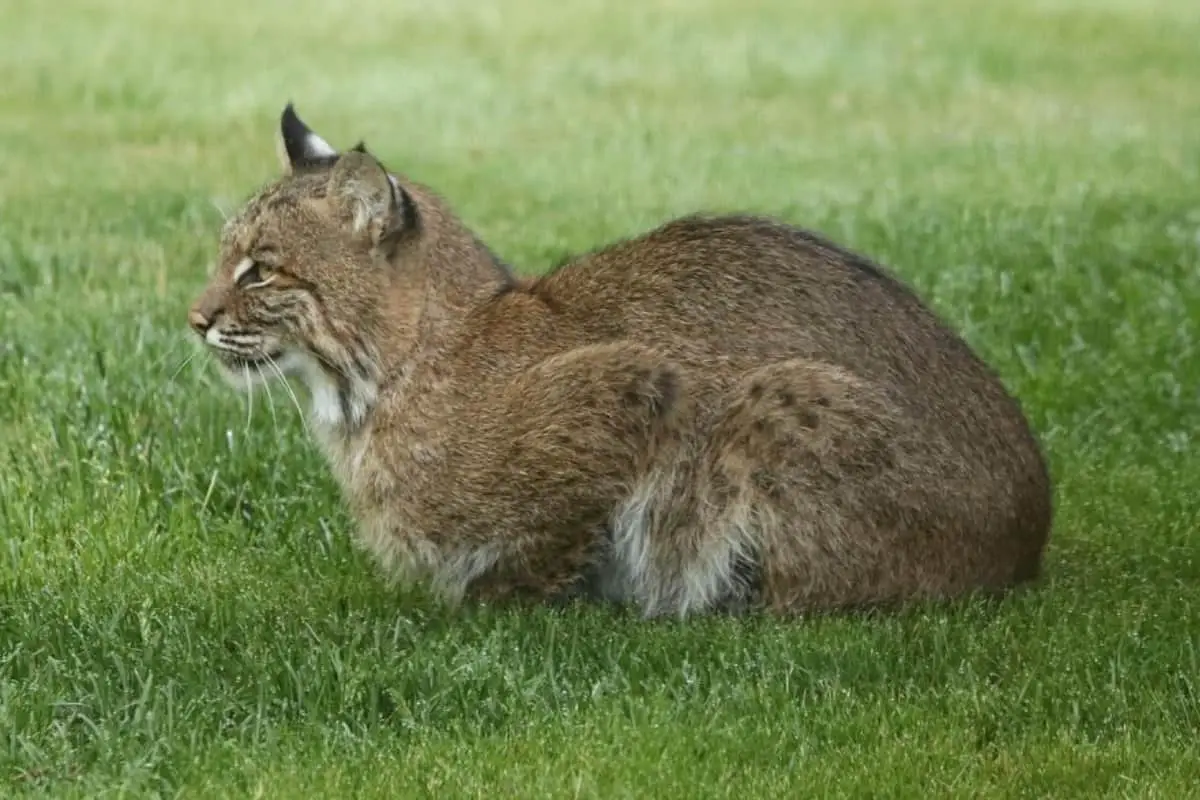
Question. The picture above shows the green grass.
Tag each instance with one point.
(181, 607)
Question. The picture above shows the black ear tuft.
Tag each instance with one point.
(294, 133)
(303, 147)
(361, 147)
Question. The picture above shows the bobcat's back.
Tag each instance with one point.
(747, 290)
(727, 294)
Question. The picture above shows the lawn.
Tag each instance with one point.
(182, 610)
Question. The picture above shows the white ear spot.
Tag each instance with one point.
(316, 147)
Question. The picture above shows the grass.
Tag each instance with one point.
(181, 608)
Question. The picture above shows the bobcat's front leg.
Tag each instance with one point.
(549, 458)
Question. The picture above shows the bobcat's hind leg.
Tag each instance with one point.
(847, 502)
(782, 507)
(808, 453)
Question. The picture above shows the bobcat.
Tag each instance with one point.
(724, 413)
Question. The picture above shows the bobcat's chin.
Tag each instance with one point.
(247, 371)
(336, 401)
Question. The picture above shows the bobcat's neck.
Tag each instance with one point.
(420, 315)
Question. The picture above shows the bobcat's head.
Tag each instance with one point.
(327, 272)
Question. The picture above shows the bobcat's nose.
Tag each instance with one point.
(206, 309)
(199, 322)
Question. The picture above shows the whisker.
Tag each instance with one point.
(169, 354)
(249, 399)
(181, 367)
(270, 398)
(290, 391)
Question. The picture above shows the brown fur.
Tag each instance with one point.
(721, 413)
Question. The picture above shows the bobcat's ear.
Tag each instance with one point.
(301, 147)
(369, 198)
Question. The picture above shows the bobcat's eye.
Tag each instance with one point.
(249, 274)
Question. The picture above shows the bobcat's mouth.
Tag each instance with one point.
(241, 361)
